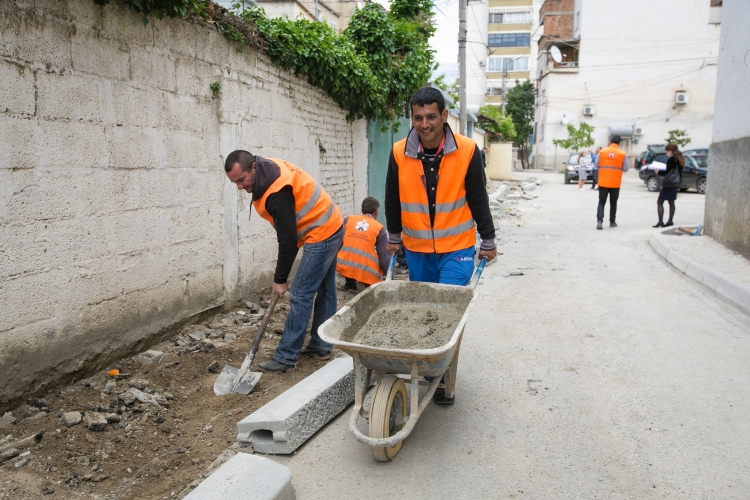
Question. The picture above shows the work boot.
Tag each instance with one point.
(351, 284)
(613, 224)
(598, 224)
(319, 354)
(274, 366)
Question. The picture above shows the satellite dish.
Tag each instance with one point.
(564, 118)
(556, 54)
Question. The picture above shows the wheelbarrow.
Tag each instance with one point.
(392, 416)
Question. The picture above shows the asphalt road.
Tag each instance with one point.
(599, 373)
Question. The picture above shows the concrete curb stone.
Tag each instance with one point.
(246, 477)
(722, 286)
(285, 423)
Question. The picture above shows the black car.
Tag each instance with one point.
(652, 151)
(693, 176)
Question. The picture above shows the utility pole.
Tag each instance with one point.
(462, 65)
(505, 84)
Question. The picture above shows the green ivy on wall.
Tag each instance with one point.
(371, 69)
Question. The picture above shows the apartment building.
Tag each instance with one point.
(501, 48)
(638, 71)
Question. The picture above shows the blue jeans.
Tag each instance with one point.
(452, 268)
(315, 279)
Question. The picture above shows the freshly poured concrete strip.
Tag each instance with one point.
(246, 477)
(283, 424)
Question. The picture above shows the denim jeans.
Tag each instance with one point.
(315, 279)
(452, 268)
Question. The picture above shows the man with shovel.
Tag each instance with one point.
(304, 216)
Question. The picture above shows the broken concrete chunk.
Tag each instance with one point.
(196, 336)
(110, 387)
(127, 397)
(8, 454)
(71, 418)
(113, 418)
(6, 422)
(20, 463)
(230, 336)
(95, 421)
(139, 383)
(149, 357)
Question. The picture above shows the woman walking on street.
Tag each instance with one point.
(582, 173)
(672, 178)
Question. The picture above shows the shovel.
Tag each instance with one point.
(243, 380)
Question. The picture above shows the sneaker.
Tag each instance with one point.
(598, 224)
(274, 366)
(613, 224)
(439, 398)
(315, 353)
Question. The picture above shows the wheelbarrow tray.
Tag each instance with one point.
(342, 327)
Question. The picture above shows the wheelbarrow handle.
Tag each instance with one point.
(391, 266)
(477, 273)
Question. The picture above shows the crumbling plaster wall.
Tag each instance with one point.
(116, 220)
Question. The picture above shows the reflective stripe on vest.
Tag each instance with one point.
(357, 258)
(610, 166)
(317, 216)
(453, 226)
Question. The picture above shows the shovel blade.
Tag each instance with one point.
(227, 382)
(247, 382)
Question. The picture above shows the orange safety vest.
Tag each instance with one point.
(317, 215)
(610, 166)
(454, 225)
(357, 258)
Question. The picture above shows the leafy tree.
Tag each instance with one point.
(578, 139)
(440, 83)
(502, 125)
(520, 106)
(172, 8)
(678, 137)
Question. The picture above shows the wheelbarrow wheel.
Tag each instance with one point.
(388, 415)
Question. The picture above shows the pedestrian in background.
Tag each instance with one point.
(612, 162)
(362, 259)
(672, 178)
(582, 170)
(595, 168)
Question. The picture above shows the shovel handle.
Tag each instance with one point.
(391, 266)
(477, 273)
(258, 336)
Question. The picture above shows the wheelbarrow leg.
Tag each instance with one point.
(447, 390)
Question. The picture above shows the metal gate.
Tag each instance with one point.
(380, 145)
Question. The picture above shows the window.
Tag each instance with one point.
(510, 63)
(510, 17)
(509, 39)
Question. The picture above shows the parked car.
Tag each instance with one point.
(693, 176)
(571, 168)
(646, 157)
(700, 158)
(698, 151)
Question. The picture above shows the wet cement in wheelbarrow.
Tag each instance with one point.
(408, 327)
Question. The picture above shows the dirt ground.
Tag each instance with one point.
(153, 452)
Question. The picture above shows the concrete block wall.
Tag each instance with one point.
(116, 220)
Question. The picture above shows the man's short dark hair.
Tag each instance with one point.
(615, 139)
(244, 158)
(370, 206)
(427, 95)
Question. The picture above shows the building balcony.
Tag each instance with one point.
(499, 28)
(563, 67)
(493, 99)
(512, 75)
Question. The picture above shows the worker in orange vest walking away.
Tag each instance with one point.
(362, 258)
(612, 162)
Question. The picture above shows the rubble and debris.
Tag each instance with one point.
(95, 421)
(139, 383)
(71, 418)
(7, 420)
(214, 367)
(149, 357)
(23, 443)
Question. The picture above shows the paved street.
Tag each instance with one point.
(599, 373)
